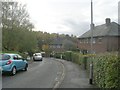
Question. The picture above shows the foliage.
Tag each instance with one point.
(58, 55)
(69, 56)
(107, 70)
(16, 30)
(69, 44)
(18, 34)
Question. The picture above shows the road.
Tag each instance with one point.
(45, 74)
(50, 73)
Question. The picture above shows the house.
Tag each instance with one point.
(64, 43)
(57, 45)
(105, 38)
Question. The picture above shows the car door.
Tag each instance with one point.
(16, 62)
(21, 62)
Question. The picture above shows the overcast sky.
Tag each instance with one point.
(69, 16)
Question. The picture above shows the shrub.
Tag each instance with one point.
(68, 55)
(107, 71)
(58, 55)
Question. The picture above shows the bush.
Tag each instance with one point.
(68, 56)
(107, 71)
(72, 56)
(58, 55)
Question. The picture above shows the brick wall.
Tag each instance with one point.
(100, 44)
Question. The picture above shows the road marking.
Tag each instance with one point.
(58, 82)
(58, 73)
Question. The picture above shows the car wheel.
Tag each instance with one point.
(33, 59)
(13, 72)
(26, 67)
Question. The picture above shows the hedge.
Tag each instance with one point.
(107, 70)
(71, 56)
(58, 55)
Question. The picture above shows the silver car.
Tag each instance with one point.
(37, 56)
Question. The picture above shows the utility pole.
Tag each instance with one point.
(91, 28)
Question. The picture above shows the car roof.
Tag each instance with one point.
(11, 54)
(37, 53)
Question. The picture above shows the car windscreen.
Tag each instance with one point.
(38, 54)
(4, 57)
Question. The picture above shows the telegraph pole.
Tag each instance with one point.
(91, 45)
(91, 27)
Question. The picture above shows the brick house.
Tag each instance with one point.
(105, 38)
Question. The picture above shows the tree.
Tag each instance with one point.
(17, 28)
(69, 45)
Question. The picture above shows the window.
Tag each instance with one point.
(19, 57)
(58, 46)
(94, 40)
(84, 41)
(50, 46)
(80, 41)
(4, 57)
(15, 57)
(87, 40)
(99, 40)
(53, 46)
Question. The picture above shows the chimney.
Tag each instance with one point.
(108, 21)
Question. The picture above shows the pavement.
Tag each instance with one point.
(75, 77)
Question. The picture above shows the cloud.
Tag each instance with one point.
(105, 9)
(75, 27)
(69, 16)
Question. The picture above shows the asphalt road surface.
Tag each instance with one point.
(45, 74)
(50, 73)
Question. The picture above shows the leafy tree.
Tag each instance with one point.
(17, 28)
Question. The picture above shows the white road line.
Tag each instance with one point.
(57, 84)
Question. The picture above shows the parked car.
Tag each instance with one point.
(37, 56)
(43, 54)
(12, 63)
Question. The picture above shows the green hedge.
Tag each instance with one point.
(58, 55)
(107, 70)
(71, 56)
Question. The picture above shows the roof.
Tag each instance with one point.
(103, 30)
(11, 54)
(57, 41)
